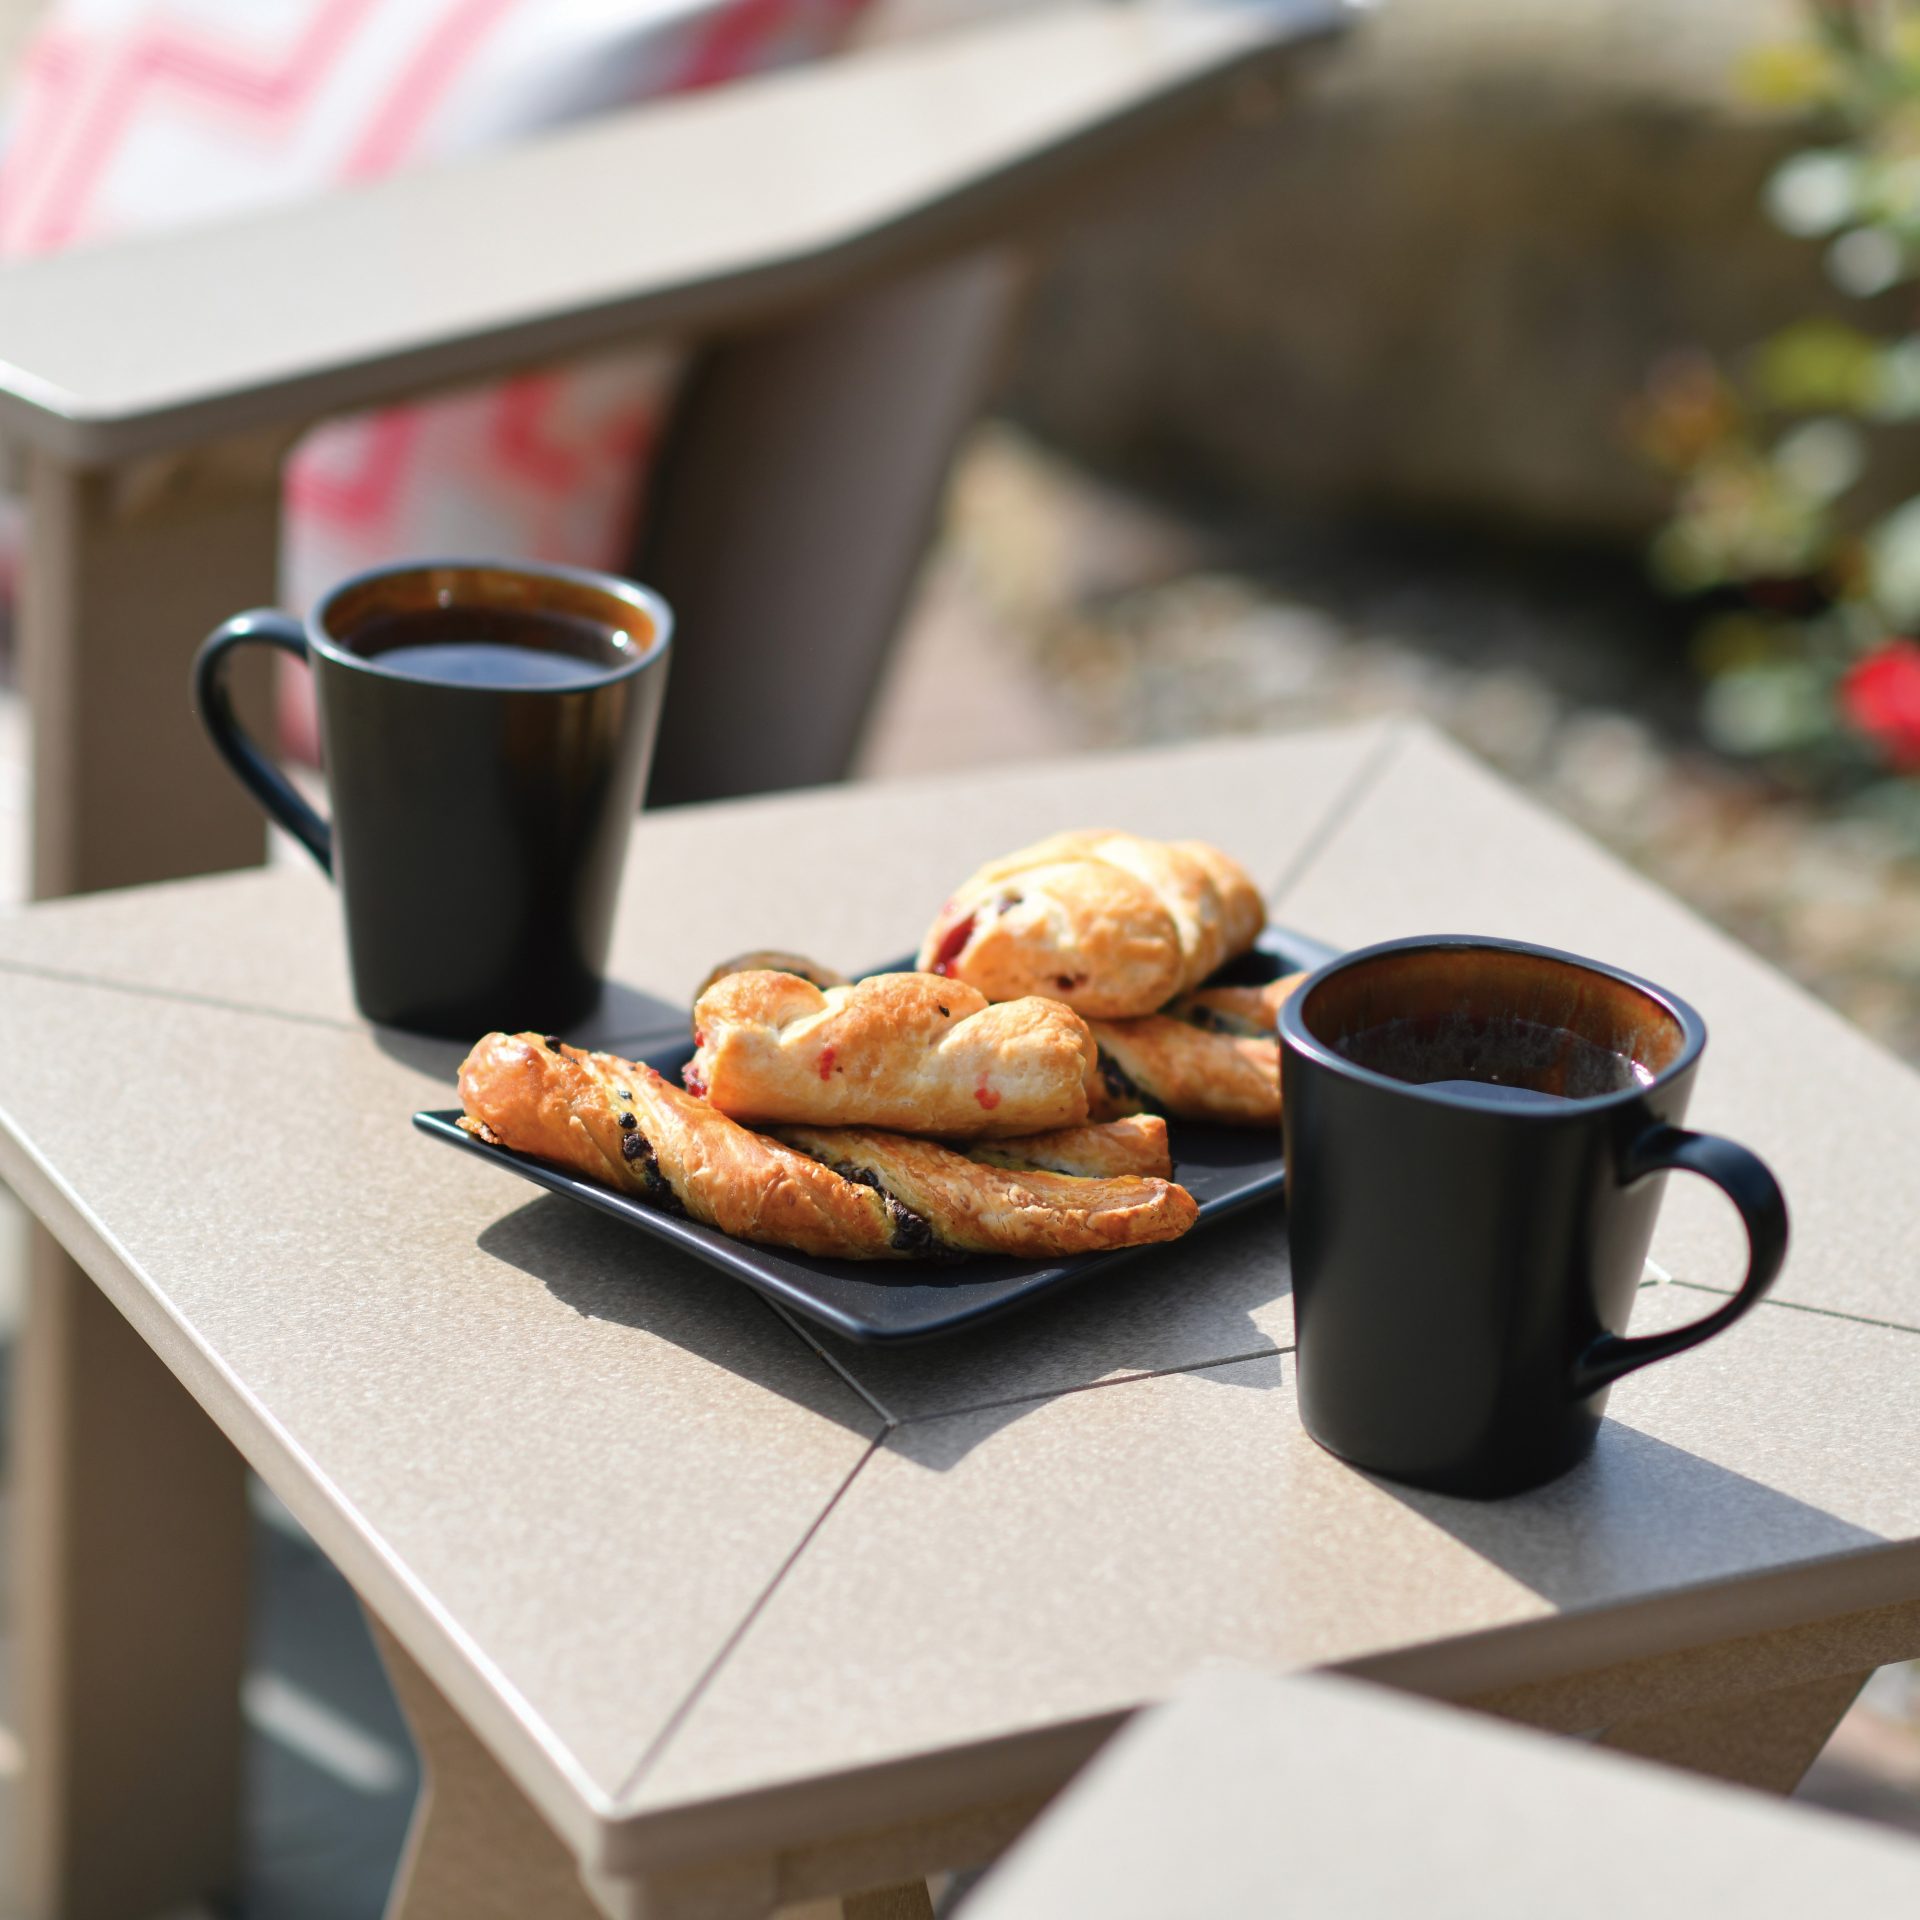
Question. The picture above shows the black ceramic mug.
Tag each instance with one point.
(1476, 1134)
(486, 731)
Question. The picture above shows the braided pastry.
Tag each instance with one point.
(1113, 924)
(899, 1050)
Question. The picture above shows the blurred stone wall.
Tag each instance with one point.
(1428, 281)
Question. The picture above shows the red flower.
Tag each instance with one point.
(1881, 699)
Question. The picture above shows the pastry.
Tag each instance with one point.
(837, 1192)
(1253, 1012)
(1162, 1065)
(619, 1122)
(771, 960)
(1136, 1144)
(973, 1208)
(1113, 924)
(904, 1051)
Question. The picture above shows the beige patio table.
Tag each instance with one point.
(723, 1614)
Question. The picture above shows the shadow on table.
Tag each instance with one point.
(1194, 1311)
(605, 1271)
(626, 1017)
(1212, 1308)
(942, 1441)
(1639, 1514)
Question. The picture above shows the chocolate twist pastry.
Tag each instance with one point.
(849, 1194)
(971, 1208)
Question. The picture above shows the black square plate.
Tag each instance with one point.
(1224, 1168)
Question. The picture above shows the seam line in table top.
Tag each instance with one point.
(684, 1711)
(657, 1745)
(845, 1374)
(213, 1003)
(1086, 1386)
(1805, 1306)
(1346, 802)
(1339, 809)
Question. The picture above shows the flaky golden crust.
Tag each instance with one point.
(980, 1209)
(774, 960)
(1250, 1011)
(1079, 931)
(1242, 910)
(1164, 1065)
(1111, 923)
(1136, 1145)
(565, 1106)
(904, 1051)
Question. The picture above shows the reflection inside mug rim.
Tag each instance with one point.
(1495, 1023)
(536, 608)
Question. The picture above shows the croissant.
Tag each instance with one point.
(844, 1196)
(1112, 924)
(904, 1051)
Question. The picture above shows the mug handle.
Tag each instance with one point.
(277, 795)
(1743, 1177)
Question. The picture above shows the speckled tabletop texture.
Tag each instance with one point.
(1322, 1798)
(704, 1581)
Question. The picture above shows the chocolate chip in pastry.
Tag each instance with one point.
(971, 1208)
(619, 1122)
(1136, 1144)
(903, 1051)
(1162, 1065)
(1112, 923)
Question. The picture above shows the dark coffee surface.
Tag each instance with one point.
(1509, 1060)
(1491, 1093)
(491, 647)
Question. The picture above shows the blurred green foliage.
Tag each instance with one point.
(1808, 650)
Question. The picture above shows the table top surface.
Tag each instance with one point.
(700, 1577)
(1322, 1797)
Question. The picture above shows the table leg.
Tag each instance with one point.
(130, 1569)
(127, 570)
(1766, 1740)
(477, 1849)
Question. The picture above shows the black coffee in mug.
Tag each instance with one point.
(487, 647)
(486, 732)
(1477, 1133)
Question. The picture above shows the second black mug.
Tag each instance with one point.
(486, 731)
(1476, 1133)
